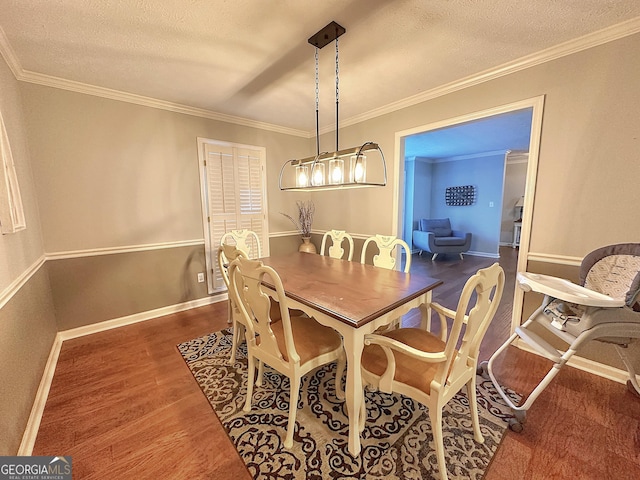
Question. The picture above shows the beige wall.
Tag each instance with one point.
(27, 322)
(113, 174)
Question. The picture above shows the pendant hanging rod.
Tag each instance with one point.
(321, 39)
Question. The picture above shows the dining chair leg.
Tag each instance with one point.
(251, 370)
(238, 332)
(473, 406)
(340, 368)
(294, 380)
(435, 415)
(362, 416)
(260, 373)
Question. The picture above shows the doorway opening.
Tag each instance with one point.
(482, 128)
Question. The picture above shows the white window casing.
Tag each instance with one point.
(233, 188)
(11, 212)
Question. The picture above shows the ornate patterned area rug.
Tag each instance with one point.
(396, 442)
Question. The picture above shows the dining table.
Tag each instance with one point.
(355, 299)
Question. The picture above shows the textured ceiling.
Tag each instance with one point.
(251, 59)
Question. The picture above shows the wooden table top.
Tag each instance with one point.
(351, 292)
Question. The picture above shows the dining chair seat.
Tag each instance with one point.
(409, 370)
(309, 337)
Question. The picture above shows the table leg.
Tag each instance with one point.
(353, 345)
(425, 317)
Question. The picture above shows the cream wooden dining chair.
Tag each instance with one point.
(386, 245)
(293, 346)
(228, 253)
(246, 240)
(431, 369)
(337, 238)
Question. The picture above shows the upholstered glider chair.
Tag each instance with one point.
(386, 245)
(436, 236)
(431, 369)
(293, 346)
(337, 239)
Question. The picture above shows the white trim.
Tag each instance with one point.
(9, 55)
(91, 252)
(481, 254)
(555, 259)
(586, 365)
(609, 34)
(288, 233)
(491, 153)
(140, 317)
(8, 293)
(33, 424)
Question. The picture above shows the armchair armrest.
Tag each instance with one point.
(461, 234)
(388, 344)
(424, 240)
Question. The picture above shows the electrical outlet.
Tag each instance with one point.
(490, 204)
(201, 277)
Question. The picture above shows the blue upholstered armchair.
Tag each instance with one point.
(436, 236)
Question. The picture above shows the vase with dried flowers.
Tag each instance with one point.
(306, 209)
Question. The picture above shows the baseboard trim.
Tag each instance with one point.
(139, 317)
(37, 410)
(586, 365)
(33, 423)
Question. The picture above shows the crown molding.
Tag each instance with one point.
(585, 42)
(79, 87)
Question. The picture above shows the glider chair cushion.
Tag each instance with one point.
(436, 236)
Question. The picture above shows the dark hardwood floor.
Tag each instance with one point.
(124, 405)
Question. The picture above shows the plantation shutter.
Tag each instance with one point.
(235, 199)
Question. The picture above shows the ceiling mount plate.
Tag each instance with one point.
(327, 35)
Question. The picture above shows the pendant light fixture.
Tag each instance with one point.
(347, 168)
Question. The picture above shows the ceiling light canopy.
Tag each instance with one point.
(362, 166)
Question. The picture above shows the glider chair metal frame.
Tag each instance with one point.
(337, 238)
(386, 244)
(430, 369)
(605, 306)
(293, 346)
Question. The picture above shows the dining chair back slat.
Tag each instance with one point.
(337, 238)
(386, 245)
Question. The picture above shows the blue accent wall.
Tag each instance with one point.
(481, 219)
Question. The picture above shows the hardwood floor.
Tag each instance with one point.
(124, 405)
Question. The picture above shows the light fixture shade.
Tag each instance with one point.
(302, 176)
(317, 174)
(349, 168)
(358, 169)
(336, 171)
